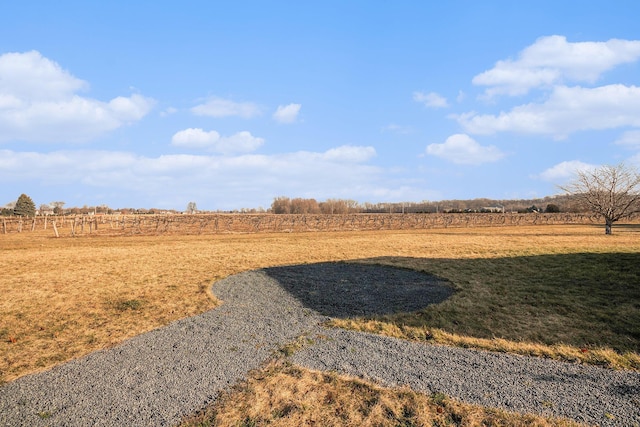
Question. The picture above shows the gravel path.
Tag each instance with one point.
(515, 383)
(161, 376)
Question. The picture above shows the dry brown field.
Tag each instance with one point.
(63, 298)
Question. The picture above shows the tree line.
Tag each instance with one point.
(610, 192)
(286, 205)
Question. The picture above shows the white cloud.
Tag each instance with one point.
(552, 60)
(568, 110)
(195, 138)
(39, 103)
(129, 109)
(630, 139)
(431, 99)
(213, 181)
(219, 107)
(462, 149)
(287, 113)
(29, 76)
(563, 171)
(349, 153)
(241, 142)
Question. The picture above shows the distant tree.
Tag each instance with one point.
(334, 206)
(552, 208)
(44, 209)
(611, 192)
(24, 206)
(281, 205)
(57, 207)
(192, 208)
(304, 206)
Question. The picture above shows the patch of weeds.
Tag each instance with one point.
(439, 398)
(283, 411)
(130, 304)
(288, 349)
(45, 415)
(248, 422)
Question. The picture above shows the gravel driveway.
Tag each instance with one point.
(159, 377)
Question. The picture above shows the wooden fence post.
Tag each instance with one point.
(55, 229)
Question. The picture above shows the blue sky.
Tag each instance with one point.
(230, 104)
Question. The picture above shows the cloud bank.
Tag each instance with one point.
(230, 181)
(553, 60)
(566, 111)
(241, 142)
(40, 102)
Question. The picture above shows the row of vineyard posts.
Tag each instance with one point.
(78, 225)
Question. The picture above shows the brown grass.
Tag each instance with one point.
(63, 298)
(283, 395)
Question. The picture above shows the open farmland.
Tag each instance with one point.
(561, 291)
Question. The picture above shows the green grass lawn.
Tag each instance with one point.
(583, 299)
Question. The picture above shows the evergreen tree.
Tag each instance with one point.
(24, 206)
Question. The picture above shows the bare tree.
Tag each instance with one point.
(304, 206)
(612, 192)
(281, 205)
(57, 207)
(192, 207)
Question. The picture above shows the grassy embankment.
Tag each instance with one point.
(565, 292)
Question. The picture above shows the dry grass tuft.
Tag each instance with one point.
(283, 395)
